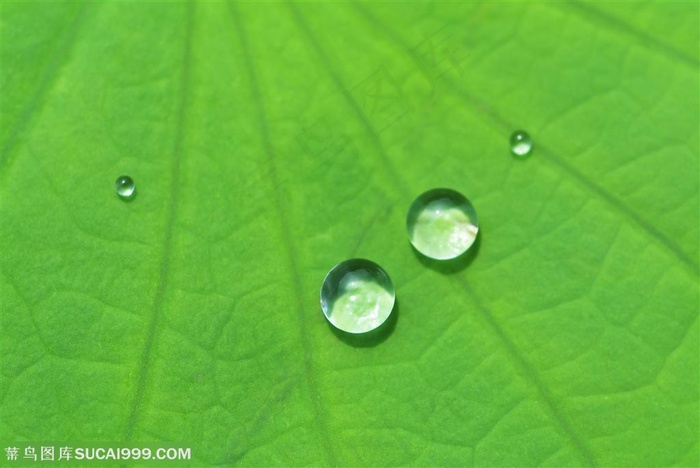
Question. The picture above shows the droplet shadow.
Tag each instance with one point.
(455, 265)
(372, 338)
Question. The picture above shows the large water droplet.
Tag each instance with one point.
(442, 224)
(125, 187)
(357, 296)
(520, 143)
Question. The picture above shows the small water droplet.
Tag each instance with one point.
(442, 224)
(520, 143)
(126, 189)
(357, 296)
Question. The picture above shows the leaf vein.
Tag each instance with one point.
(547, 154)
(37, 101)
(652, 42)
(290, 249)
(159, 300)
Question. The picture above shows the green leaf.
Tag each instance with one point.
(269, 142)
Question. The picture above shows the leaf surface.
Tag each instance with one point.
(271, 141)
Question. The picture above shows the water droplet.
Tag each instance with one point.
(520, 143)
(357, 296)
(442, 224)
(126, 189)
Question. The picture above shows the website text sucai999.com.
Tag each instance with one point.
(126, 453)
(51, 453)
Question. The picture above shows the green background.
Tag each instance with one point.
(270, 141)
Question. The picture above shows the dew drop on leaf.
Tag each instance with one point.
(520, 144)
(125, 187)
(442, 224)
(357, 296)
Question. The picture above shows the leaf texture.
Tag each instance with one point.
(270, 141)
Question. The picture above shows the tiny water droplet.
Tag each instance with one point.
(442, 224)
(357, 296)
(520, 143)
(126, 189)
